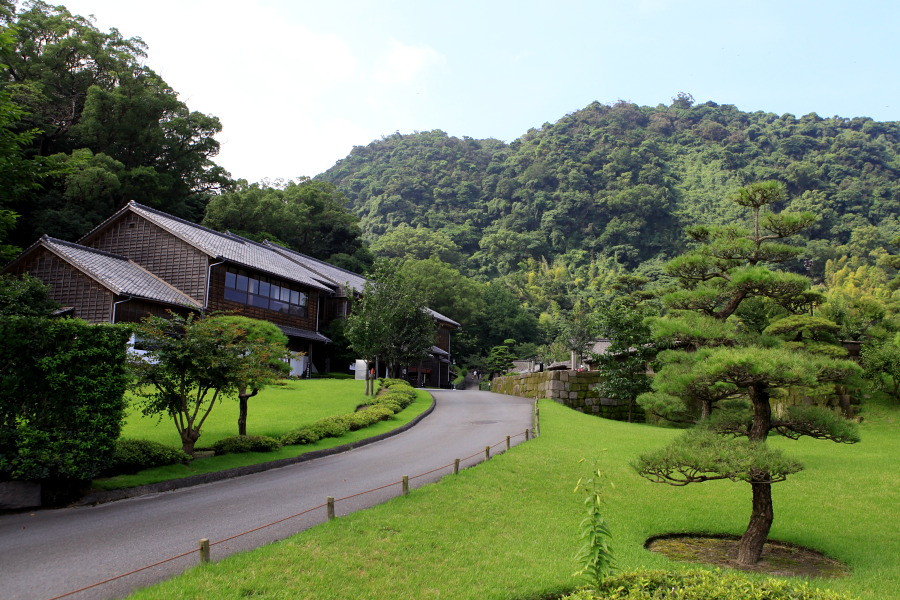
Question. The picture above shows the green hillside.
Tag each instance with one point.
(622, 181)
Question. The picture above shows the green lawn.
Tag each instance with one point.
(274, 412)
(507, 529)
(277, 409)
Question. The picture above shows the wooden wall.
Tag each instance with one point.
(69, 286)
(166, 256)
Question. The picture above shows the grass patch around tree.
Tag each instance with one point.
(508, 529)
(277, 410)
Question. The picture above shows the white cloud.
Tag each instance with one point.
(403, 64)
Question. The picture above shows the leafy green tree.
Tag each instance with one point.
(881, 362)
(500, 359)
(579, 331)
(417, 243)
(192, 363)
(263, 348)
(24, 295)
(390, 322)
(726, 269)
(77, 88)
(306, 215)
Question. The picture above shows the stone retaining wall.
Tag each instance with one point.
(575, 389)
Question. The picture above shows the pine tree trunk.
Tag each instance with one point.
(762, 514)
(753, 540)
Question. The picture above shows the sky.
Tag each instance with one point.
(297, 83)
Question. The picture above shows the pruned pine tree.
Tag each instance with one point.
(723, 375)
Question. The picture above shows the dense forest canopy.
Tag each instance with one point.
(622, 181)
(96, 127)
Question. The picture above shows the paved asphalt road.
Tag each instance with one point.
(48, 553)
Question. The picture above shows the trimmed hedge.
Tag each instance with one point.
(237, 444)
(384, 406)
(700, 585)
(131, 456)
(62, 386)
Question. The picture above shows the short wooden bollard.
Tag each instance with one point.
(456, 466)
(204, 550)
(487, 452)
(507, 442)
(527, 434)
(406, 485)
(330, 502)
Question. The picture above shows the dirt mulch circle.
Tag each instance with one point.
(779, 559)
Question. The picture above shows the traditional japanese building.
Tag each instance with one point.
(142, 261)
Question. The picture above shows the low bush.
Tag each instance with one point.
(305, 435)
(388, 383)
(131, 456)
(246, 443)
(700, 585)
(381, 408)
(397, 396)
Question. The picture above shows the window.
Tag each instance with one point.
(264, 292)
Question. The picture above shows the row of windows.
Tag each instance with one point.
(263, 292)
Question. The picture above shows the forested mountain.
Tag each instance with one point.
(622, 181)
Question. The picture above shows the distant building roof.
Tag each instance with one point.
(117, 273)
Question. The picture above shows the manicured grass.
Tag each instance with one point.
(507, 529)
(277, 409)
(311, 405)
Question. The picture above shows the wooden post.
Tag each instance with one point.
(406, 485)
(456, 466)
(204, 550)
(527, 432)
(487, 452)
(330, 501)
(507, 442)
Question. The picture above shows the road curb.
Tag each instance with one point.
(193, 480)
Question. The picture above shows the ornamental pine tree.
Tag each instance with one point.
(724, 374)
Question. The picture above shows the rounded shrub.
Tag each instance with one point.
(381, 412)
(400, 397)
(305, 435)
(246, 443)
(701, 585)
(131, 456)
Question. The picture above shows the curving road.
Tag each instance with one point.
(48, 553)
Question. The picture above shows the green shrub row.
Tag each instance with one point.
(385, 405)
(237, 444)
(700, 585)
(131, 456)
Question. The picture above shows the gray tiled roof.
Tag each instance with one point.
(328, 274)
(231, 247)
(117, 273)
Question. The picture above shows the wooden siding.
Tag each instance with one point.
(443, 338)
(217, 302)
(69, 286)
(166, 256)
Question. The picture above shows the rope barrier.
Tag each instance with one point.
(309, 510)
